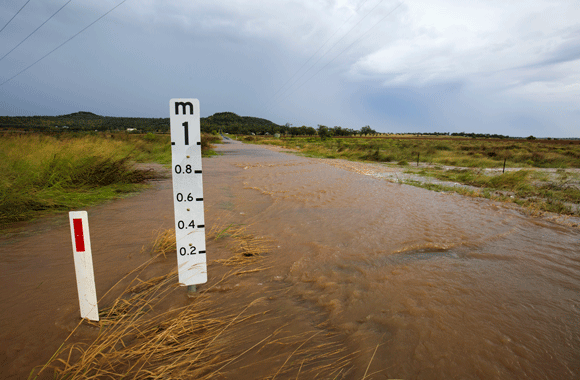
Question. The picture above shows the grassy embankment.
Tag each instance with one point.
(41, 174)
(539, 190)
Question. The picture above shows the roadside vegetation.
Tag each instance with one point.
(538, 190)
(139, 337)
(464, 152)
(540, 174)
(41, 174)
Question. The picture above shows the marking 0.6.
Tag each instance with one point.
(188, 190)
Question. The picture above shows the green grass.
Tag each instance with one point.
(207, 141)
(40, 174)
(552, 192)
(476, 153)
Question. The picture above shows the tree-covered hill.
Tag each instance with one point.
(227, 122)
(83, 121)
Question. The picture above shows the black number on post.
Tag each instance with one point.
(186, 131)
(179, 197)
(183, 251)
(188, 169)
(181, 224)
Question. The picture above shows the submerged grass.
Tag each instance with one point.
(247, 248)
(141, 338)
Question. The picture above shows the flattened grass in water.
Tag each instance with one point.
(140, 339)
(246, 247)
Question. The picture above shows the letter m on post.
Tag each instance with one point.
(184, 106)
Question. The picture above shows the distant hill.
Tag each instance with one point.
(81, 115)
(227, 122)
(83, 121)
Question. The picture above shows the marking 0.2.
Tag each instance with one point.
(188, 190)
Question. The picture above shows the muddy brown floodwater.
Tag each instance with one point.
(447, 287)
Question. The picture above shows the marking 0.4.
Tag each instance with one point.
(188, 190)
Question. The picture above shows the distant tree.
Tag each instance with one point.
(294, 131)
(367, 130)
(323, 132)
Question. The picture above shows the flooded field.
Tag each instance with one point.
(416, 284)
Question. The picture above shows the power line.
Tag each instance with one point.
(345, 49)
(332, 47)
(13, 16)
(316, 52)
(34, 31)
(59, 46)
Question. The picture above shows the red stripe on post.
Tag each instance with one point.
(79, 236)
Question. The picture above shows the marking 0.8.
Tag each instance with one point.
(188, 190)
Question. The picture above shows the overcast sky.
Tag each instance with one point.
(508, 67)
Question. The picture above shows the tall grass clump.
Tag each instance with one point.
(207, 141)
(40, 173)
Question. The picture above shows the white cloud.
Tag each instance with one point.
(440, 41)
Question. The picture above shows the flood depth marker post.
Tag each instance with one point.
(188, 191)
(83, 258)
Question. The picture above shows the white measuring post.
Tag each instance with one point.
(83, 258)
(188, 191)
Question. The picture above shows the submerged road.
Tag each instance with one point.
(427, 285)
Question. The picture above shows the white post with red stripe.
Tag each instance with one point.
(81, 241)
